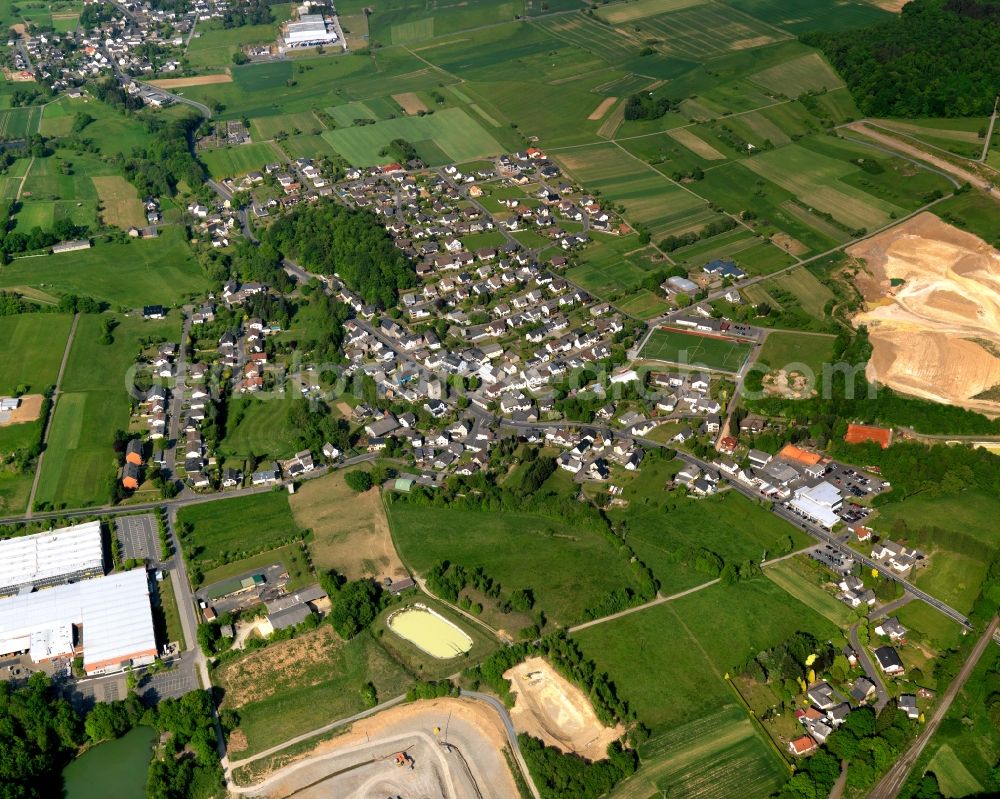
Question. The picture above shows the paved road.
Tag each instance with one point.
(494, 703)
(869, 668)
(893, 782)
(989, 131)
(52, 410)
(177, 397)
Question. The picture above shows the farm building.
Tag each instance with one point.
(70, 246)
(676, 285)
(46, 559)
(108, 620)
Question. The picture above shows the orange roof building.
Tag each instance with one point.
(862, 433)
(792, 453)
(802, 746)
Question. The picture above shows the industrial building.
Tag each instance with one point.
(31, 562)
(310, 30)
(818, 503)
(107, 619)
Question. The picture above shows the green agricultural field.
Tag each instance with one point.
(667, 530)
(229, 162)
(721, 755)
(614, 266)
(959, 136)
(297, 685)
(807, 289)
(261, 428)
(34, 345)
(133, 274)
(451, 131)
(810, 73)
(79, 462)
(569, 570)
(18, 123)
(675, 346)
(800, 583)
(781, 350)
(213, 47)
(220, 529)
(690, 644)
(306, 122)
(257, 77)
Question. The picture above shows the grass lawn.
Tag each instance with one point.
(261, 428)
(138, 273)
(171, 613)
(940, 631)
(954, 779)
(228, 162)
(693, 349)
(801, 583)
(34, 346)
(291, 556)
(569, 570)
(350, 531)
(972, 512)
(792, 350)
(79, 461)
(231, 530)
(690, 643)
(294, 686)
(953, 578)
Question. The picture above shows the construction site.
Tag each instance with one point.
(439, 749)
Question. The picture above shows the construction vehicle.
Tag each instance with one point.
(403, 759)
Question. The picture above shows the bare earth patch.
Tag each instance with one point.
(892, 6)
(788, 244)
(410, 103)
(351, 533)
(696, 145)
(936, 332)
(602, 109)
(791, 385)
(27, 411)
(551, 708)
(199, 80)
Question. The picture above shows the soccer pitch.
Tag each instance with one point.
(694, 349)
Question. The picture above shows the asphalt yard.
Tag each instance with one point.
(139, 537)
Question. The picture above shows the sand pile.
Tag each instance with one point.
(933, 312)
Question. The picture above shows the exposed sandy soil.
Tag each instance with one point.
(30, 407)
(553, 709)
(341, 766)
(788, 244)
(200, 80)
(351, 531)
(410, 102)
(602, 109)
(791, 385)
(935, 335)
(894, 6)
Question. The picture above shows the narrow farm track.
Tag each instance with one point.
(20, 188)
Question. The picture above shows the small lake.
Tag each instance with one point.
(112, 769)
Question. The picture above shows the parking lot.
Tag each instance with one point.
(853, 482)
(139, 537)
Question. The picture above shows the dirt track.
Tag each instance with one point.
(937, 335)
(201, 80)
(360, 765)
(551, 708)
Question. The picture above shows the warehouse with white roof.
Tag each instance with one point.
(818, 503)
(310, 30)
(107, 619)
(44, 559)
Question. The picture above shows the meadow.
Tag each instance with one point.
(567, 569)
(675, 346)
(260, 428)
(213, 46)
(120, 203)
(783, 349)
(18, 123)
(798, 581)
(132, 274)
(219, 533)
(79, 462)
(34, 345)
(229, 162)
(451, 132)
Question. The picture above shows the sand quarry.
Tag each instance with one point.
(936, 334)
(551, 708)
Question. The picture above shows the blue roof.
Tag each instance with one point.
(724, 268)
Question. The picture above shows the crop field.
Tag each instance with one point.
(817, 180)
(120, 202)
(611, 44)
(649, 197)
(134, 274)
(690, 643)
(707, 31)
(344, 115)
(675, 346)
(810, 73)
(613, 264)
(229, 162)
(452, 131)
(256, 77)
(782, 349)
(33, 349)
(306, 146)
(17, 123)
(305, 122)
(405, 25)
(959, 136)
(663, 526)
(79, 461)
(568, 569)
(300, 684)
(220, 528)
(629, 12)
(718, 756)
(260, 427)
(808, 290)
(797, 17)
